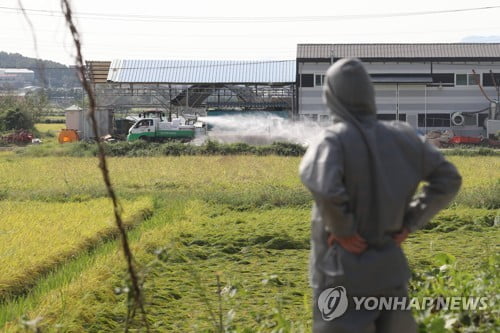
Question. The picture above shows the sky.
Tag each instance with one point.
(236, 30)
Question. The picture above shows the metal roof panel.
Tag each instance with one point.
(437, 50)
(202, 71)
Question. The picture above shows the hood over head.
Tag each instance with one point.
(349, 89)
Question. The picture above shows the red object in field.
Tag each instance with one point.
(494, 143)
(465, 140)
(20, 136)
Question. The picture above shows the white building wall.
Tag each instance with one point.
(411, 99)
(79, 121)
(16, 77)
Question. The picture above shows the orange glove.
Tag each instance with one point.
(354, 244)
(401, 236)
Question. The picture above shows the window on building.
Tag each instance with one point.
(391, 116)
(467, 79)
(488, 79)
(481, 120)
(434, 120)
(386, 116)
(473, 79)
(307, 80)
(443, 79)
(319, 79)
(461, 79)
(324, 118)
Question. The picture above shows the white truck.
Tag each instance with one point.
(152, 126)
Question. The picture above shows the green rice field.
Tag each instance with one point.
(197, 220)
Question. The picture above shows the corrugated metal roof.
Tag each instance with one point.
(406, 51)
(202, 71)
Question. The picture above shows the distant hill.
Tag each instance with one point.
(56, 75)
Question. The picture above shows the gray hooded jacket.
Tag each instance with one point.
(363, 175)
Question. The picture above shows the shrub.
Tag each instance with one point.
(446, 279)
(142, 148)
(471, 152)
(15, 119)
(481, 196)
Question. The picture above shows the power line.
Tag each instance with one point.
(227, 64)
(273, 34)
(244, 19)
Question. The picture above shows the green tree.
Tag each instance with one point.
(15, 119)
(36, 104)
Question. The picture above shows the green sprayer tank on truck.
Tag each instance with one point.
(153, 127)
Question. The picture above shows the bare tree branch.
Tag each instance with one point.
(481, 88)
(137, 295)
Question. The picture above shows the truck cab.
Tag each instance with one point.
(144, 129)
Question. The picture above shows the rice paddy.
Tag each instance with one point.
(35, 236)
(242, 218)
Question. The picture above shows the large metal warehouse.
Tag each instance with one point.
(431, 86)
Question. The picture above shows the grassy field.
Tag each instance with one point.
(244, 219)
(52, 128)
(35, 236)
(48, 133)
(267, 180)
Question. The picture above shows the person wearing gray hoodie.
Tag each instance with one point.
(363, 175)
